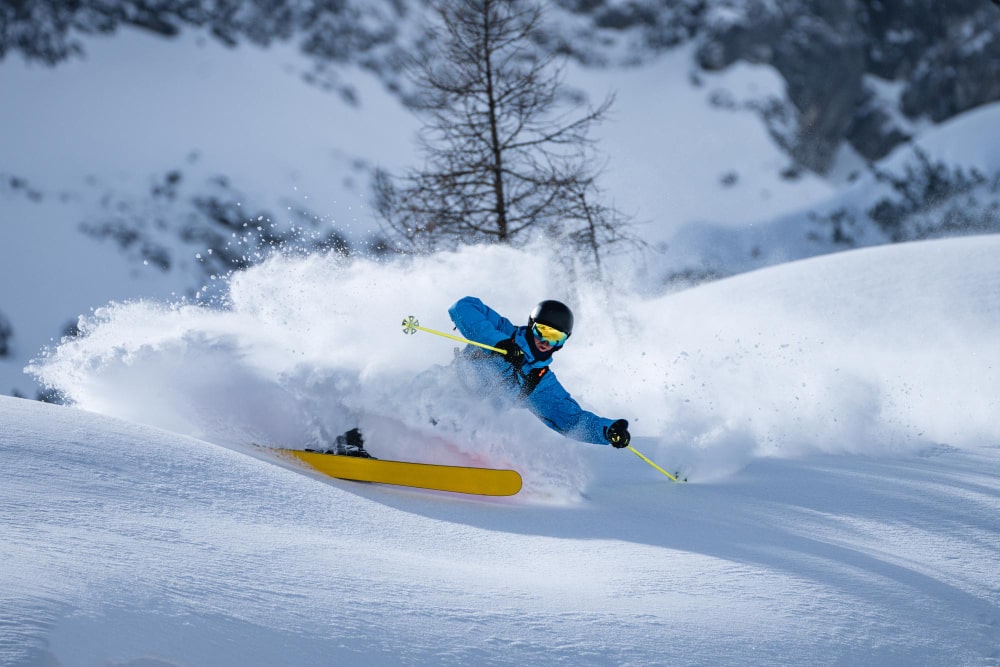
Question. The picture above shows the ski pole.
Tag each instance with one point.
(641, 456)
(412, 326)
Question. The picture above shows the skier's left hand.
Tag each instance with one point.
(617, 434)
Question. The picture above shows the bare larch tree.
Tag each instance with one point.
(501, 160)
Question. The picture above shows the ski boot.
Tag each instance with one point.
(351, 443)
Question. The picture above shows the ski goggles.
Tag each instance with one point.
(548, 334)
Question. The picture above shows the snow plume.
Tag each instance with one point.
(307, 347)
(875, 351)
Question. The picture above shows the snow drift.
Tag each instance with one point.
(882, 350)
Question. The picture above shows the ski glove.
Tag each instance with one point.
(617, 434)
(513, 354)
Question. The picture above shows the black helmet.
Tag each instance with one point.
(555, 314)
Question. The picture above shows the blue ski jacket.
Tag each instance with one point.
(534, 385)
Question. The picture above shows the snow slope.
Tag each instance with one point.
(836, 416)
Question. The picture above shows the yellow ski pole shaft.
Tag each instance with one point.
(641, 456)
(411, 326)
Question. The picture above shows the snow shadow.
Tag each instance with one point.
(907, 538)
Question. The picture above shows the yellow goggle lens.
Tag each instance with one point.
(549, 335)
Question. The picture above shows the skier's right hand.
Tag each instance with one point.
(512, 352)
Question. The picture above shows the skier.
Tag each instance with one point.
(522, 372)
(520, 375)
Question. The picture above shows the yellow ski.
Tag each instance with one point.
(457, 479)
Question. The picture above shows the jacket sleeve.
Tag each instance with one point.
(479, 322)
(551, 403)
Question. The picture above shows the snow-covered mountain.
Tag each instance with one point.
(148, 150)
(173, 161)
(946, 183)
(180, 159)
(836, 57)
(836, 417)
(202, 133)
